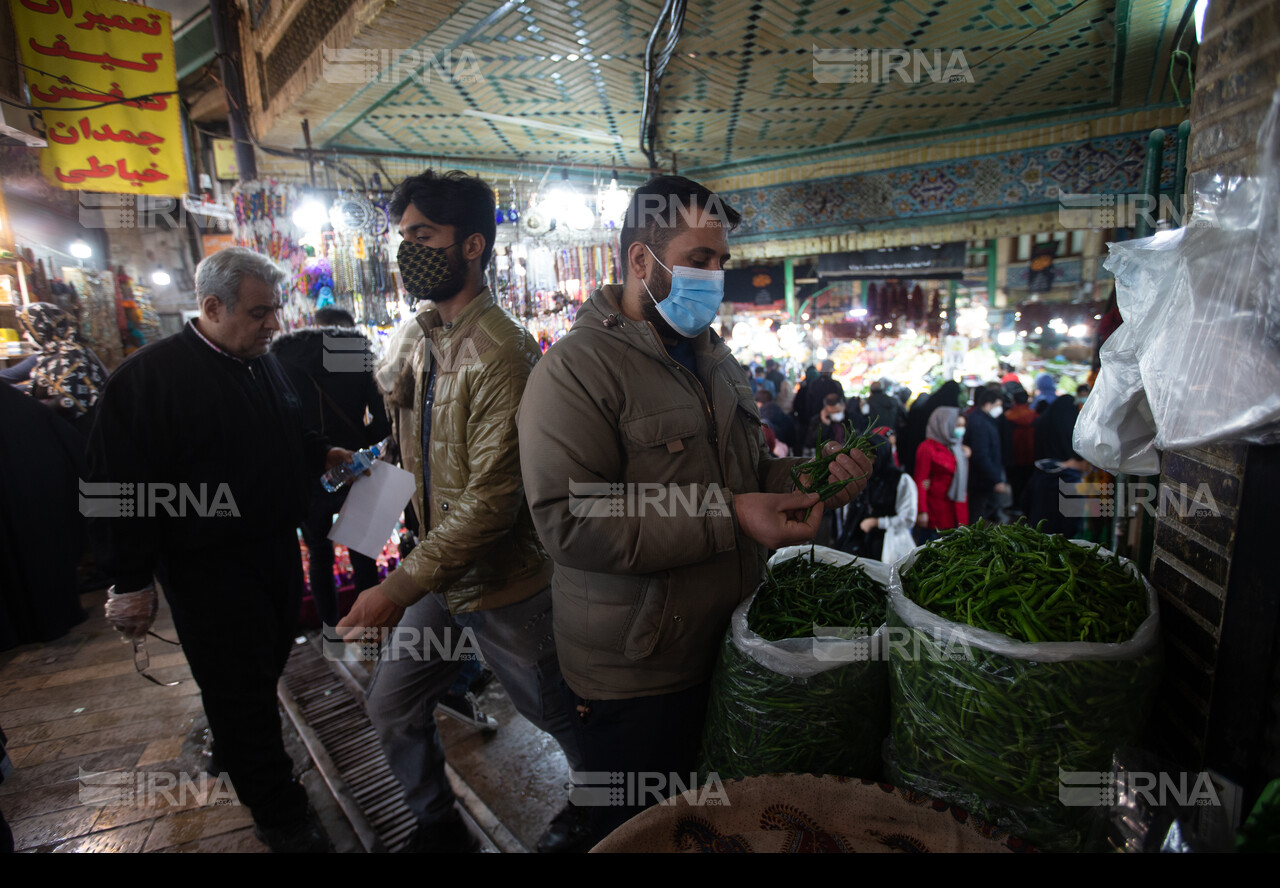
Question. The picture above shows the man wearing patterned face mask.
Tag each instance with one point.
(478, 568)
(652, 488)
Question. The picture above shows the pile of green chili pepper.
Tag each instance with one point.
(989, 732)
(818, 470)
(832, 722)
(1030, 586)
(800, 593)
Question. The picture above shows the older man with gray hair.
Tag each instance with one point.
(207, 430)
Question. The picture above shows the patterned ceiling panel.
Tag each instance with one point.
(750, 81)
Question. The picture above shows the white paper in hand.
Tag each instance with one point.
(373, 505)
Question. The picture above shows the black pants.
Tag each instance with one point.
(643, 738)
(984, 504)
(1019, 476)
(315, 530)
(236, 612)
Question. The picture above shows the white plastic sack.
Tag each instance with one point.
(812, 705)
(805, 657)
(1204, 305)
(913, 616)
(1115, 430)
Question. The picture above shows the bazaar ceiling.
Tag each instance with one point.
(560, 81)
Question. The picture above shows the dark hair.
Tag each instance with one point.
(985, 396)
(334, 317)
(1021, 396)
(1083, 387)
(452, 198)
(662, 206)
(763, 395)
(832, 399)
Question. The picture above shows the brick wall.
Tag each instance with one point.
(1214, 573)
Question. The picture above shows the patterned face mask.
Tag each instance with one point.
(424, 269)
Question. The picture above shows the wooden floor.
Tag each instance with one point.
(104, 760)
(78, 716)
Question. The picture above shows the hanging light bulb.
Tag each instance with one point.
(613, 203)
(160, 277)
(567, 207)
(80, 250)
(310, 215)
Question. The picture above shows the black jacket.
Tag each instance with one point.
(817, 395)
(986, 468)
(886, 410)
(319, 364)
(179, 413)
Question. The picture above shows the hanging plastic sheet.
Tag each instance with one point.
(1202, 305)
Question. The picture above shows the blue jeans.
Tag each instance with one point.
(470, 669)
(412, 674)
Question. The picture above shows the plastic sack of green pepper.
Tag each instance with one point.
(808, 692)
(992, 708)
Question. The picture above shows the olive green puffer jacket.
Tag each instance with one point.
(477, 544)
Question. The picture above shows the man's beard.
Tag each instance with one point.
(451, 286)
(650, 310)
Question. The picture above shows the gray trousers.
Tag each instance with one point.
(419, 664)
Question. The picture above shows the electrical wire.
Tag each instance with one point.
(672, 16)
(62, 78)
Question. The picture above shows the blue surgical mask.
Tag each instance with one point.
(958, 433)
(695, 298)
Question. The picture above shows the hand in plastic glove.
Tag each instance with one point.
(372, 609)
(132, 612)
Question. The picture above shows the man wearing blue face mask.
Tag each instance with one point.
(652, 489)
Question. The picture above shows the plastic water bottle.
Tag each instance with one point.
(344, 473)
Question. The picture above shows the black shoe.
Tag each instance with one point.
(448, 836)
(466, 709)
(568, 833)
(481, 681)
(305, 836)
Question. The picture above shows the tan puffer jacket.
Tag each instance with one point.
(646, 574)
(477, 544)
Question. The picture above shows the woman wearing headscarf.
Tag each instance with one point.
(1046, 391)
(41, 529)
(1055, 428)
(947, 395)
(942, 474)
(67, 376)
(885, 512)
